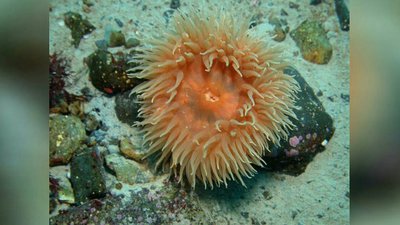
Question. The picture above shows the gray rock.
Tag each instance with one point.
(132, 42)
(87, 176)
(127, 171)
(130, 151)
(66, 134)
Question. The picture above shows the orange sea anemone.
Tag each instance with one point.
(215, 95)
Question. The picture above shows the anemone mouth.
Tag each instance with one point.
(214, 98)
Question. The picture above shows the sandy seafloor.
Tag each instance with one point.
(318, 196)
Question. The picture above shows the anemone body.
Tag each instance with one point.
(215, 96)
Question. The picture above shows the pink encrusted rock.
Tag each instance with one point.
(292, 153)
(294, 141)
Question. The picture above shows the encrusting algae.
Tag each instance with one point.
(215, 96)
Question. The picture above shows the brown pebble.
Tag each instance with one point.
(118, 186)
(267, 195)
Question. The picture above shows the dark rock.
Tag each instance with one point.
(87, 93)
(174, 4)
(254, 221)
(66, 134)
(132, 42)
(345, 97)
(314, 130)
(78, 26)
(119, 22)
(126, 107)
(343, 15)
(278, 33)
(284, 13)
(256, 19)
(87, 176)
(312, 41)
(294, 214)
(127, 171)
(107, 72)
(267, 195)
(116, 39)
(293, 5)
(88, 2)
(315, 2)
(168, 14)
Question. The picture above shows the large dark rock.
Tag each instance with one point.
(314, 130)
(126, 107)
(108, 72)
(87, 176)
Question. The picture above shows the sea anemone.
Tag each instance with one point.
(215, 96)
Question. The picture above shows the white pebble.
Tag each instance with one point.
(61, 23)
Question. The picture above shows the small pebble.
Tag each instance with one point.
(293, 5)
(119, 22)
(267, 195)
(175, 4)
(245, 214)
(118, 186)
(101, 44)
(132, 42)
(345, 97)
(168, 14)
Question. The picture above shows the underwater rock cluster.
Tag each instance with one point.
(212, 102)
